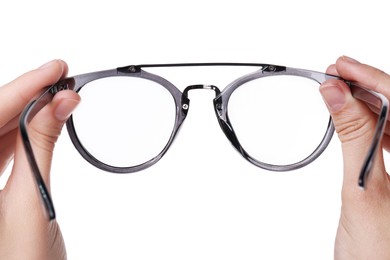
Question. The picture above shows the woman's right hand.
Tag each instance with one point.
(364, 227)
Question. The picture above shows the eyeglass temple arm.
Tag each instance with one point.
(26, 116)
(382, 103)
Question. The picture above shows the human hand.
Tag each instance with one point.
(25, 232)
(364, 227)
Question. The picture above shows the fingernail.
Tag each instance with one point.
(47, 65)
(333, 96)
(65, 108)
(350, 60)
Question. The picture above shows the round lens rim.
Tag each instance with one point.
(179, 118)
(221, 107)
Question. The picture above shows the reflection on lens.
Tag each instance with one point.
(278, 120)
(124, 121)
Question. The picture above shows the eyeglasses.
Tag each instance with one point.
(129, 117)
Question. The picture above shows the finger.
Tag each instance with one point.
(386, 143)
(355, 126)
(368, 99)
(387, 129)
(46, 127)
(386, 136)
(364, 75)
(7, 149)
(43, 130)
(10, 126)
(332, 70)
(16, 94)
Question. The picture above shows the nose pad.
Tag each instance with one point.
(224, 123)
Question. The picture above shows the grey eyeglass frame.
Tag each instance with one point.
(182, 102)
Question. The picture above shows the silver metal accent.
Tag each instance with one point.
(271, 68)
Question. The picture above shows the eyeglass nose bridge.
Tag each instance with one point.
(201, 86)
(223, 120)
(185, 99)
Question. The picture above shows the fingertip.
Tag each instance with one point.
(337, 68)
(53, 64)
(347, 59)
(66, 94)
(65, 68)
(332, 70)
(57, 66)
(344, 64)
(65, 103)
(334, 95)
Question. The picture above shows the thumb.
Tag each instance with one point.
(355, 125)
(46, 126)
(43, 131)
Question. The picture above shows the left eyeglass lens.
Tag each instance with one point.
(279, 120)
(124, 121)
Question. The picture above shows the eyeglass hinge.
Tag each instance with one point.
(129, 69)
(274, 68)
(58, 87)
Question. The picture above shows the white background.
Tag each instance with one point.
(202, 200)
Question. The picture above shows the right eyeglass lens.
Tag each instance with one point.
(279, 120)
(124, 121)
